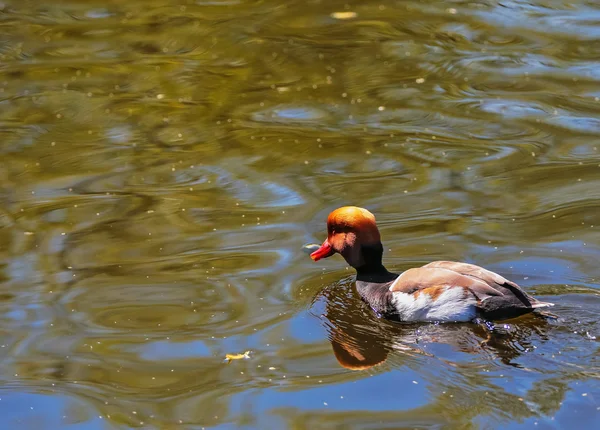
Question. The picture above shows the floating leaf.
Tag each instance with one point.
(230, 357)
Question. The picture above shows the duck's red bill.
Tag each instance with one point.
(323, 252)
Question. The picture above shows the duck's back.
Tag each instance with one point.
(449, 291)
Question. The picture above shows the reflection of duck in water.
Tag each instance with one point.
(440, 291)
(360, 340)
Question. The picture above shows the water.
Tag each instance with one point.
(163, 163)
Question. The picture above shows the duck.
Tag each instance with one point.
(440, 291)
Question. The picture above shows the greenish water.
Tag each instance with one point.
(162, 164)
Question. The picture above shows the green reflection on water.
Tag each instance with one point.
(163, 164)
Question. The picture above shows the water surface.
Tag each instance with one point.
(162, 164)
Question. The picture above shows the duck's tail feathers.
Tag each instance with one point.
(541, 305)
(537, 304)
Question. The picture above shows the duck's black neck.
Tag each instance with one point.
(373, 270)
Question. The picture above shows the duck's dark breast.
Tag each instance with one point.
(378, 297)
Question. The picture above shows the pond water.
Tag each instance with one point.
(164, 162)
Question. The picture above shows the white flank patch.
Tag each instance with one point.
(451, 305)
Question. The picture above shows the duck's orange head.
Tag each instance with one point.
(348, 229)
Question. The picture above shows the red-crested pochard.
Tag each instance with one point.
(439, 291)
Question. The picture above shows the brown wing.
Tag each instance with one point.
(485, 275)
(495, 294)
(425, 277)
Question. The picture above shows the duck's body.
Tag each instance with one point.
(446, 291)
(442, 291)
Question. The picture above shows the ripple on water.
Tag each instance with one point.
(98, 13)
(232, 179)
(579, 25)
(578, 149)
(47, 408)
(150, 250)
(513, 108)
(162, 350)
(147, 304)
(575, 123)
(291, 114)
